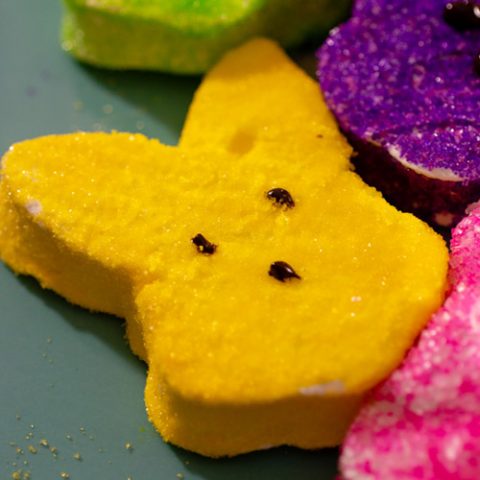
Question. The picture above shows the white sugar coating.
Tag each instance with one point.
(424, 421)
(335, 386)
(444, 174)
(34, 207)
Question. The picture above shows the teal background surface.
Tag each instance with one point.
(67, 377)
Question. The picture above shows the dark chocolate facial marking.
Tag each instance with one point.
(203, 245)
(281, 197)
(463, 14)
(282, 271)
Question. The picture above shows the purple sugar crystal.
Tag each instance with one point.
(403, 86)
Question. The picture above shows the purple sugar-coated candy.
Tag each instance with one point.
(403, 87)
(424, 421)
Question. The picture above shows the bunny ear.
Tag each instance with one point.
(265, 92)
(68, 205)
(83, 189)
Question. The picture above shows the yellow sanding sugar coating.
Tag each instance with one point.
(238, 360)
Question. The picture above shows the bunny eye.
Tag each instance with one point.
(281, 197)
(203, 245)
(282, 271)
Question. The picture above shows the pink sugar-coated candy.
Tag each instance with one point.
(465, 251)
(424, 421)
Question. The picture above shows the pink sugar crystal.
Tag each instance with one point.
(465, 247)
(424, 421)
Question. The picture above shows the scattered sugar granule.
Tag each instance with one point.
(77, 105)
(107, 109)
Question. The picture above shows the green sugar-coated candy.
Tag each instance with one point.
(186, 36)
